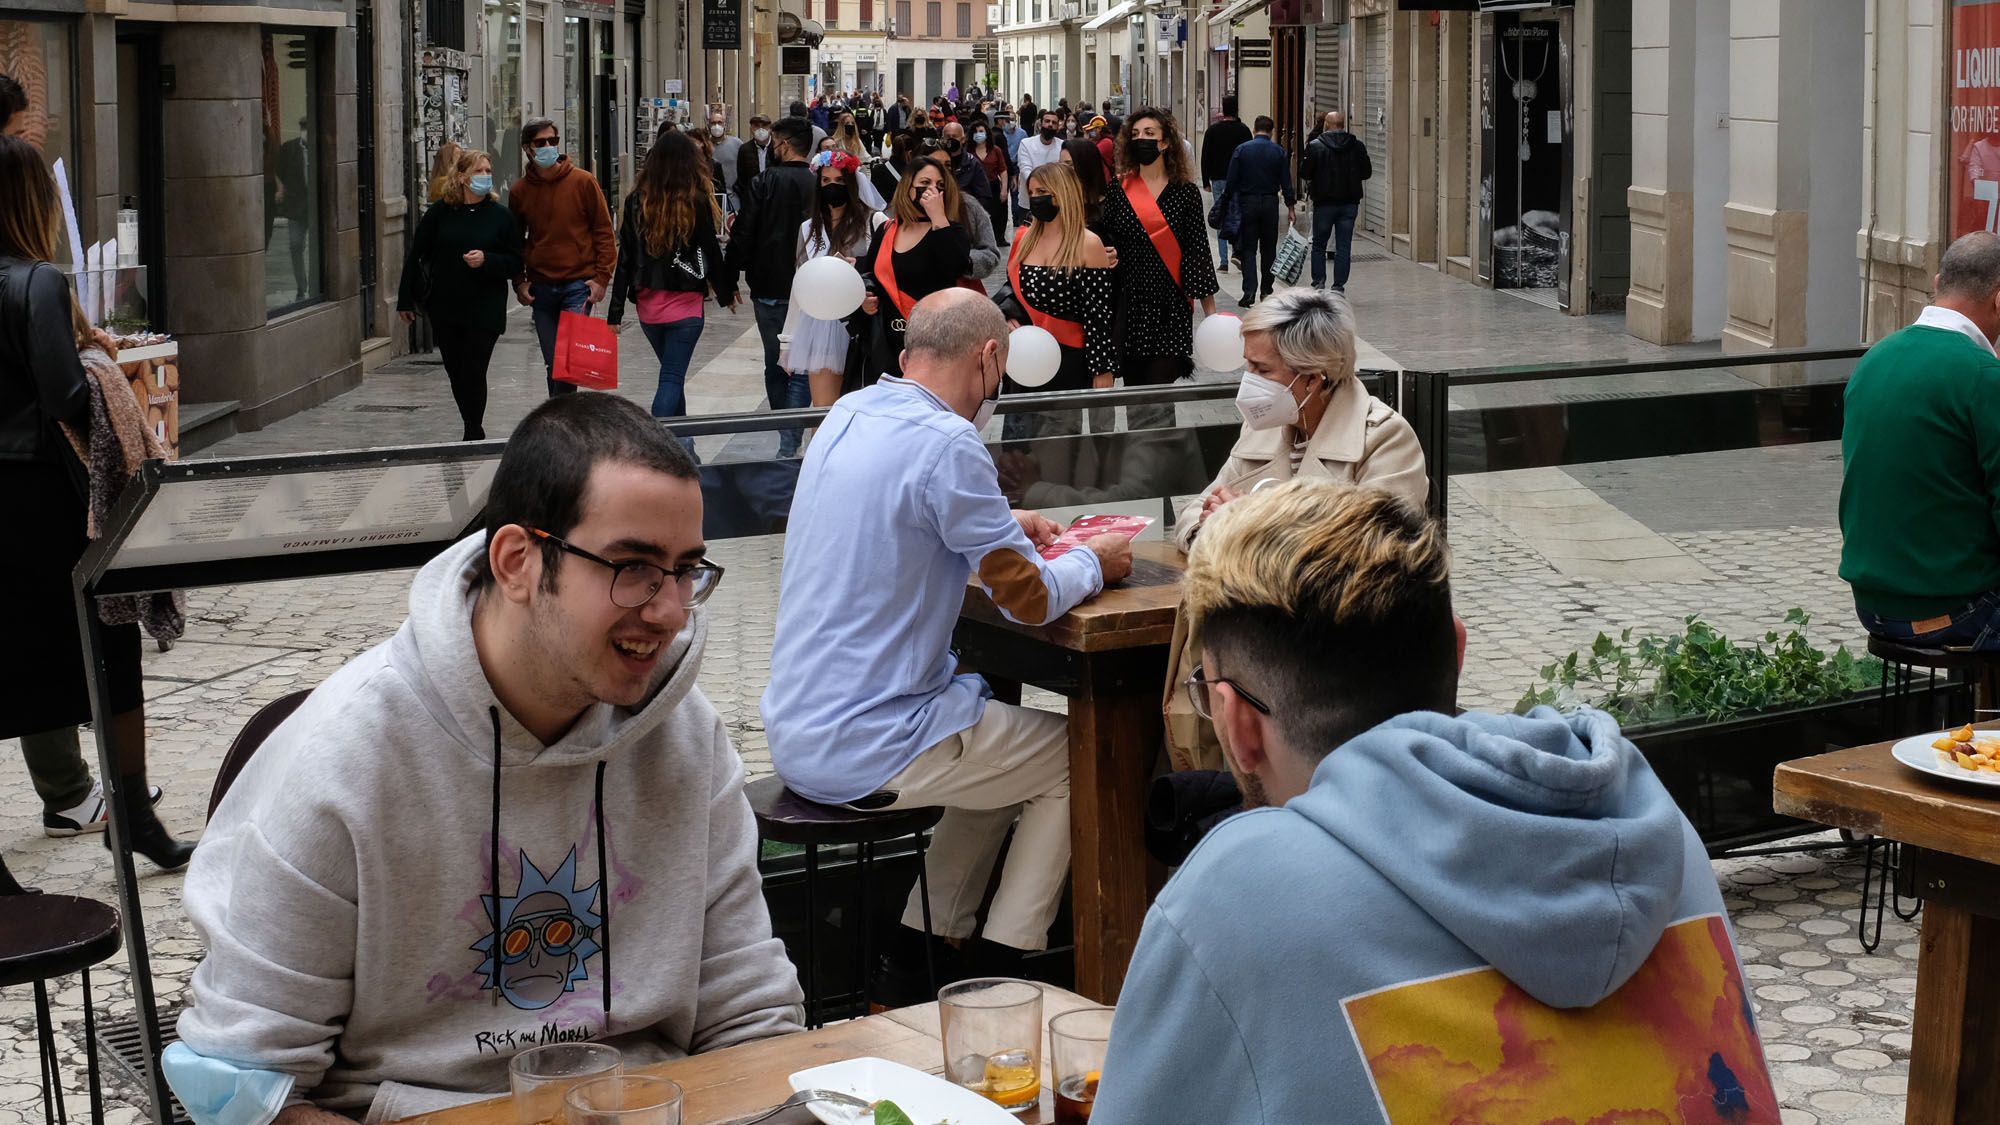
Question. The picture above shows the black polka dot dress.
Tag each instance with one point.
(1152, 313)
(1082, 295)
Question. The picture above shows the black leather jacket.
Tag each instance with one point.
(41, 380)
(693, 268)
(764, 243)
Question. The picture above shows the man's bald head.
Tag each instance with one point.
(956, 348)
(1336, 121)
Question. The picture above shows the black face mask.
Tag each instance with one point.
(951, 145)
(1043, 208)
(1146, 151)
(833, 195)
(1048, 134)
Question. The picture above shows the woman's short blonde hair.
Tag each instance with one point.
(1312, 330)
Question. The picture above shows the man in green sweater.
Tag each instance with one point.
(1920, 446)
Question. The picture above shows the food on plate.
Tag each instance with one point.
(1962, 749)
(889, 1113)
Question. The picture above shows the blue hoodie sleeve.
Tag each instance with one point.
(1176, 1052)
(973, 520)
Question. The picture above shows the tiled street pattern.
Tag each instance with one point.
(1543, 560)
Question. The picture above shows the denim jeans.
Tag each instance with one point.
(1221, 244)
(1336, 219)
(1976, 626)
(550, 300)
(784, 389)
(673, 343)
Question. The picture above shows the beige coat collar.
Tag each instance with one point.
(1342, 434)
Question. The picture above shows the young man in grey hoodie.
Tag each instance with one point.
(430, 866)
(1422, 917)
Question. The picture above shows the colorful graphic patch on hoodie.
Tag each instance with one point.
(547, 930)
(1675, 1043)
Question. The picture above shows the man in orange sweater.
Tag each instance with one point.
(569, 247)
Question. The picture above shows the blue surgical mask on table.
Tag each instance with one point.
(1266, 404)
(481, 184)
(546, 156)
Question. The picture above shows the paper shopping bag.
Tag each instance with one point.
(586, 353)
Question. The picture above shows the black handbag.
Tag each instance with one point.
(1225, 217)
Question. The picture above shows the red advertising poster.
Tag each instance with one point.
(1975, 116)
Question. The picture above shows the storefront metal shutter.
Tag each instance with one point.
(1326, 73)
(1374, 125)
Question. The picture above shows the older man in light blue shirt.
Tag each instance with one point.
(898, 505)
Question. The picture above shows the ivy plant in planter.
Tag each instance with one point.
(1714, 717)
(1701, 675)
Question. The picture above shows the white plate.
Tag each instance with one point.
(1917, 753)
(927, 1098)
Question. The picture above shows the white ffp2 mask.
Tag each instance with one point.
(1266, 404)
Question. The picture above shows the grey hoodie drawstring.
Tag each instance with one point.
(493, 873)
(604, 889)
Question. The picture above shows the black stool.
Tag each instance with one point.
(785, 817)
(48, 936)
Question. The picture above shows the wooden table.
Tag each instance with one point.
(1109, 656)
(1951, 837)
(737, 1082)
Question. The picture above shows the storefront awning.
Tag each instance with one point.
(1236, 11)
(1123, 9)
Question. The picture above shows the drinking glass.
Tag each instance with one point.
(1077, 1042)
(541, 1076)
(624, 1099)
(993, 1039)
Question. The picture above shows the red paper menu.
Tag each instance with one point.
(1090, 527)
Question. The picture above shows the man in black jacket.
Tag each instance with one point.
(1335, 163)
(1217, 146)
(1258, 173)
(764, 244)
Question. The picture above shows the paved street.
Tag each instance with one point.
(1544, 560)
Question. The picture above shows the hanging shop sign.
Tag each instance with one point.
(721, 25)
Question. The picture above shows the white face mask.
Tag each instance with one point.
(762, 136)
(984, 414)
(1266, 404)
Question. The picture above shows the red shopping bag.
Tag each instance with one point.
(586, 353)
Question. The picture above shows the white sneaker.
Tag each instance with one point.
(89, 815)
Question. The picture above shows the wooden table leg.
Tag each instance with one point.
(1115, 728)
(1955, 1041)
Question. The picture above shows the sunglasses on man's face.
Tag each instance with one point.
(545, 142)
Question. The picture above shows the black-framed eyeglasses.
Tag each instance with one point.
(633, 584)
(545, 142)
(1198, 684)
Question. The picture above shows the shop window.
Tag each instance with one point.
(293, 171)
(38, 54)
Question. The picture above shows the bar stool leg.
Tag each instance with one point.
(924, 896)
(1869, 892)
(45, 1033)
(90, 1052)
(812, 925)
(861, 916)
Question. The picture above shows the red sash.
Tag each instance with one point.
(1068, 333)
(885, 272)
(1148, 210)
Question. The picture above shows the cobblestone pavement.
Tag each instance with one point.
(1544, 560)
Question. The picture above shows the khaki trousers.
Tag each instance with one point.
(1014, 763)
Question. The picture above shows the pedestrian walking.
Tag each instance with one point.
(970, 173)
(46, 490)
(727, 148)
(465, 254)
(1093, 175)
(1217, 146)
(989, 149)
(1259, 173)
(926, 246)
(568, 247)
(669, 260)
(753, 157)
(1332, 169)
(1061, 280)
(1043, 148)
(1154, 216)
(842, 224)
(847, 136)
(764, 245)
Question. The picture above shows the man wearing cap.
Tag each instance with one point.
(754, 156)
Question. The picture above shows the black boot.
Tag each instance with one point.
(150, 838)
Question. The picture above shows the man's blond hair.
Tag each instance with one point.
(1331, 603)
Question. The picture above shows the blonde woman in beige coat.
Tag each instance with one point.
(1304, 415)
(1304, 412)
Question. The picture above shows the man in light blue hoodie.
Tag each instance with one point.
(898, 505)
(1422, 918)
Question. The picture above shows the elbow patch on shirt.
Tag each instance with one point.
(1016, 583)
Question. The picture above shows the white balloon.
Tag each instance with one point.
(1218, 343)
(828, 288)
(1033, 356)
